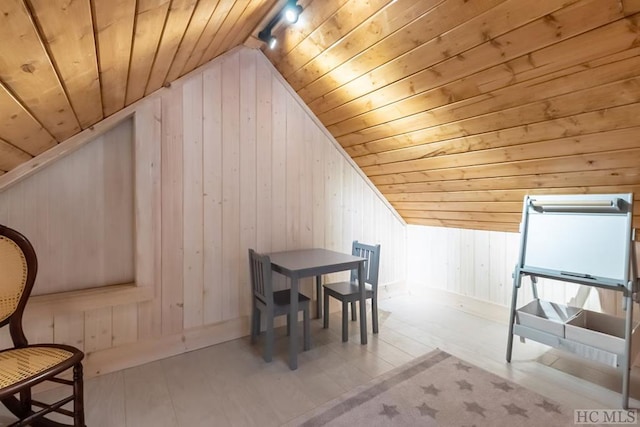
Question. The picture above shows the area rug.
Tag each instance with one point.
(439, 390)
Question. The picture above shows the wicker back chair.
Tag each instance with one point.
(24, 365)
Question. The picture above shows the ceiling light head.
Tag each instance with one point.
(272, 42)
(292, 11)
(266, 36)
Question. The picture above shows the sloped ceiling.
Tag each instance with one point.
(455, 109)
(67, 64)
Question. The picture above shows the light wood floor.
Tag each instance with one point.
(230, 385)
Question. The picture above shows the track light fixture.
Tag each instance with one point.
(290, 12)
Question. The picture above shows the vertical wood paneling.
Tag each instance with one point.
(248, 162)
(306, 183)
(485, 260)
(124, 326)
(318, 189)
(294, 129)
(38, 329)
(97, 329)
(68, 328)
(79, 208)
(231, 187)
(264, 149)
(148, 206)
(278, 173)
(212, 187)
(172, 222)
(225, 160)
(193, 221)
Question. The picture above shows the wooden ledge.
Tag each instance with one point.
(89, 299)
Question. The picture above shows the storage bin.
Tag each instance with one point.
(546, 316)
(598, 330)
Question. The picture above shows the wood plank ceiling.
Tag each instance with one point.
(455, 109)
(67, 64)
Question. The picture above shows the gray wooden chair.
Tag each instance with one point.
(348, 292)
(272, 303)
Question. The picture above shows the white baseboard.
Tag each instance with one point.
(138, 353)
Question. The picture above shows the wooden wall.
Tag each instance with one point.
(227, 158)
(78, 214)
(477, 265)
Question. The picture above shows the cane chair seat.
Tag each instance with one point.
(24, 366)
(20, 364)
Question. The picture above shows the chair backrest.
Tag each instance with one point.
(371, 265)
(18, 267)
(260, 272)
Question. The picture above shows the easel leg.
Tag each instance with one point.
(626, 368)
(512, 315)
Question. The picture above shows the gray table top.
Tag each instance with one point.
(310, 262)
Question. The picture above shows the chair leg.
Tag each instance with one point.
(307, 328)
(325, 321)
(354, 315)
(345, 321)
(78, 394)
(268, 345)
(374, 313)
(255, 325)
(25, 399)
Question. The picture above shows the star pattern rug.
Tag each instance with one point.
(439, 390)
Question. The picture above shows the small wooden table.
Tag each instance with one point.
(302, 263)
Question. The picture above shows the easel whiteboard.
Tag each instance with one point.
(578, 240)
